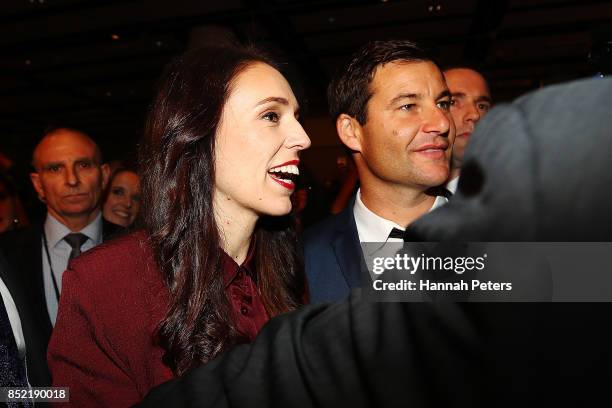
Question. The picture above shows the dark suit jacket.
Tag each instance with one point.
(22, 250)
(333, 257)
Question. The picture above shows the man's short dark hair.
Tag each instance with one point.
(349, 92)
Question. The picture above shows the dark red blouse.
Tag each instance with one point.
(250, 314)
(113, 299)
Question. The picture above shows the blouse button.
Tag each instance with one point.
(244, 310)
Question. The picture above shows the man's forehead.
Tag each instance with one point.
(65, 146)
(414, 77)
(465, 78)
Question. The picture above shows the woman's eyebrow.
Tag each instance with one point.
(281, 100)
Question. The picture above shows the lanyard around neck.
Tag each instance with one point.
(55, 286)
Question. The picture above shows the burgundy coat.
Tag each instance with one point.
(102, 346)
(113, 298)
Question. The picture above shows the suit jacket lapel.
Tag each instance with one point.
(347, 249)
(28, 263)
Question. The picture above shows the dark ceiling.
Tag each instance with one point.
(93, 64)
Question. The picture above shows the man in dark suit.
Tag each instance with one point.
(69, 178)
(551, 151)
(391, 109)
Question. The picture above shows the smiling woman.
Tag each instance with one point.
(217, 257)
(122, 200)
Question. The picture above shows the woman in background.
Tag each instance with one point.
(217, 258)
(122, 200)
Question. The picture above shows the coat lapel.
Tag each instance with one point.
(346, 247)
(38, 287)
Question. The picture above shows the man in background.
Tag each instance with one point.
(471, 100)
(69, 178)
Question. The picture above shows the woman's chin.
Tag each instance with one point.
(278, 209)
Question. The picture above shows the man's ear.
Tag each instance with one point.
(349, 131)
(35, 178)
(105, 175)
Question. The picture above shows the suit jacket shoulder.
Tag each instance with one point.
(333, 257)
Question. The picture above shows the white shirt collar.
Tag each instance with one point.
(374, 228)
(56, 231)
(452, 185)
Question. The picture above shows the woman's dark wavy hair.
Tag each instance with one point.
(177, 168)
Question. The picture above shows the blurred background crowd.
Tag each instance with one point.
(92, 66)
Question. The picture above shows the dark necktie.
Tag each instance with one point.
(75, 240)
(440, 191)
(396, 233)
(12, 366)
(407, 236)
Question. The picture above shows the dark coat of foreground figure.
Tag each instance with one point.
(537, 170)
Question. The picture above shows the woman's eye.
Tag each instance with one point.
(271, 116)
(117, 191)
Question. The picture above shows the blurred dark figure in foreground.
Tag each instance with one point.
(358, 354)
